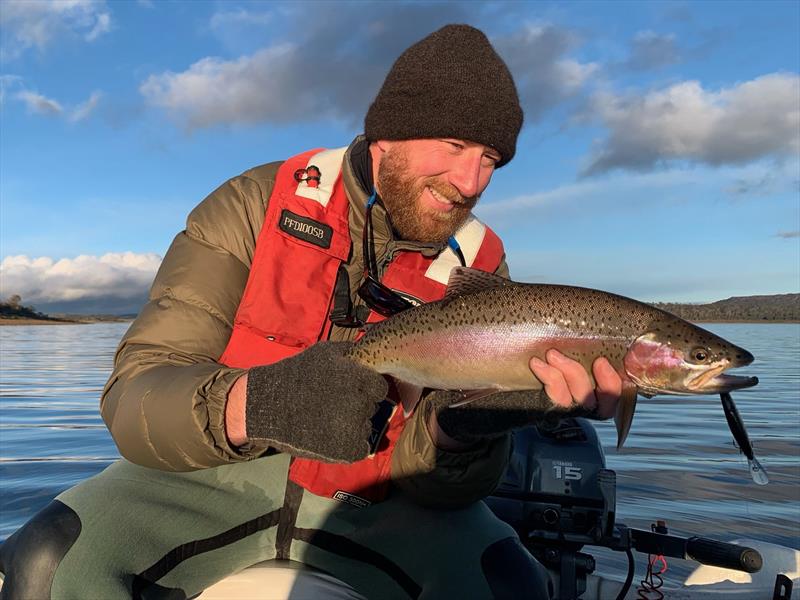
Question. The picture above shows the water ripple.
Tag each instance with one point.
(679, 463)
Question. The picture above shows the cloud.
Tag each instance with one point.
(787, 235)
(247, 90)
(749, 121)
(43, 280)
(37, 23)
(238, 18)
(314, 76)
(36, 103)
(585, 195)
(102, 25)
(762, 185)
(83, 110)
(240, 30)
(650, 50)
(311, 77)
(536, 55)
(42, 105)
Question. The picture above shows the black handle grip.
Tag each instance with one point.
(722, 554)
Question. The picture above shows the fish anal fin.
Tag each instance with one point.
(626, 407)
(464, 280)
(408, 395)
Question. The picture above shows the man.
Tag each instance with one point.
(249, 434)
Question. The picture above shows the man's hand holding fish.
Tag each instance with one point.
(568, 389)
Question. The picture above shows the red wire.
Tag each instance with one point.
(649, 586)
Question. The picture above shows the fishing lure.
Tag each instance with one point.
(739, 433)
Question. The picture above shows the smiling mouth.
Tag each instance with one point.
(442, 199)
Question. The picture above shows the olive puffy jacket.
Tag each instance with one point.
(165, 400)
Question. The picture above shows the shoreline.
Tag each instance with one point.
(764, 321)
(13, 322)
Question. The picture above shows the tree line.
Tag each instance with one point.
(779, 307)
(12, 308)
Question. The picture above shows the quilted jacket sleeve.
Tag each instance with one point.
(165, 400)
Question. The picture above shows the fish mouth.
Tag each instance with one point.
(715, 381)
(727, 383)
(699, 381)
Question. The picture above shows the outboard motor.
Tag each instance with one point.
(558, 496)
(556, 486)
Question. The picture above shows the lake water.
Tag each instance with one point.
(679, 463)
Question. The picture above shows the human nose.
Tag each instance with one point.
(465, 176)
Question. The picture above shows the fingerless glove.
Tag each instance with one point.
(316, 404)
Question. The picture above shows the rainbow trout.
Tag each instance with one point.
(481, 336)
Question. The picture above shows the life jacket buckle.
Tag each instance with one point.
(311, 175)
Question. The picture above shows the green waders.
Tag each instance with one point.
(157, 534)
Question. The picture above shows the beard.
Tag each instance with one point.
(401, 194)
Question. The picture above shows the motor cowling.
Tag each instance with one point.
(556, 485)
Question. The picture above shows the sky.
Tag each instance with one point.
(660, 156)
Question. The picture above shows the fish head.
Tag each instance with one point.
(681, 358)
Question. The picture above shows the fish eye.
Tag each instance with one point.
(699, 354)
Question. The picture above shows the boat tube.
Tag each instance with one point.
(559, 497)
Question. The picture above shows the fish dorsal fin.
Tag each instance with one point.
(464, 280)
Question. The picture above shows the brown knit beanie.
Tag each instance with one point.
(450, 84)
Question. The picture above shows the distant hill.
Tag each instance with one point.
(12, 309)
(83, 318)
(779, 307)
(94, 306)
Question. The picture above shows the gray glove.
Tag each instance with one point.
(316, 404)
(493, 415)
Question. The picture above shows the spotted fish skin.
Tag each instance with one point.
(482, 335)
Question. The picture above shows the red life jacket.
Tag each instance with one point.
(289, 296)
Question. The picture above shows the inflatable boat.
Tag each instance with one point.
(560, 498)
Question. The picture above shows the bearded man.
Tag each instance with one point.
(247, 434)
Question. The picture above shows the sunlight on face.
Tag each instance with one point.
(423, 205)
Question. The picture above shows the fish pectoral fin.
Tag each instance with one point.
(626, 407)
(409, 395)
(472, 395)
